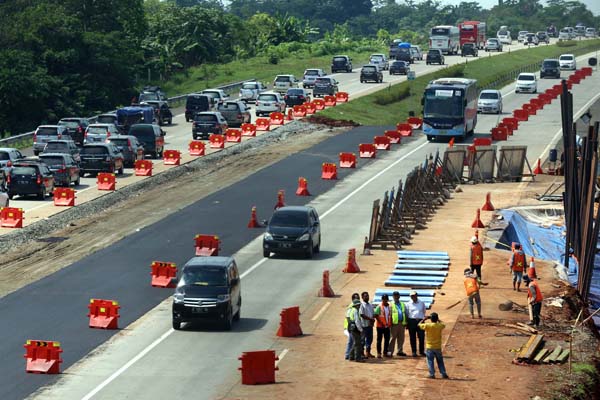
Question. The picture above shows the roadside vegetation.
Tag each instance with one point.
(394, 103)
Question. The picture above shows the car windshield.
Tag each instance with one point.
(283, 79)
(550, 64)
(142, 131)
(488, 96)
(398, 64)
(443, 103)
(148, 96)
(566, 58)
(267, 97)
(339, 59)
(97, 130)
(229, 107)
(289, 218)
(47, 131)
(23, 170)
(521, 33)
(323, 81)
(107, 119)
(468, 46)
(377, 57)
(119, 142)
(309, 72)
(502, 33)
(249, 86)
(56, 147)
(52, 160)
(205, 118)
(526, 78)
(493, 41)
(93, 150)
(69, 124)
(369, 69)
(295, 92)
(433, 53)
(214, 95)
(204, 276)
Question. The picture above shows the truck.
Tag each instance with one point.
(394, 48)
(132, 115)
(472, 32)
(404, 53)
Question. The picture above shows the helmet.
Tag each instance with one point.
(517, 245)
(571, 251)
(474, 239)
(467, 271)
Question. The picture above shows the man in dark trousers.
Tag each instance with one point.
(383, 315)
(476, 257)
(516, 264)
(534, 300)
(416, 313)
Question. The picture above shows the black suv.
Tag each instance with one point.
(206, 123)
(293, 229)
(341, 63)
(151, 136)
(550, 68)
(371, 73)
(161, 111)
(29, 177)
(324, 86)
(434, 56)
(76, 127)
(469, 49)
(101, 157)
(196, 103)
(209, 289)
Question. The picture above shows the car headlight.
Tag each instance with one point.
(268, 236)
(304, 237)
(223, 297)
(178, 297)
(426, 126)
(458, 127)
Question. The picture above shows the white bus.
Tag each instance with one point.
(445, 38)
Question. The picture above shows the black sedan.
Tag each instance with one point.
(399, 67)
(296, 97)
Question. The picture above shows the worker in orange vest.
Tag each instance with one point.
(476, 257)
(516, 264)
(383, 315)
(534, 300)
(472, 290)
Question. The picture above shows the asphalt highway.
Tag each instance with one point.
(148, 359)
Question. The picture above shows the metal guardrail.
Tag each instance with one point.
(174, 101)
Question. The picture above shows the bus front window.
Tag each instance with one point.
(443, 104)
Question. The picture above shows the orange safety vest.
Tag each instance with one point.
(471, 286)
(538, 292)
(476, 254)
(382, 321)
(518, 261)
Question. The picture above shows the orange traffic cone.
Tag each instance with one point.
(302, 187)
(538, 169)
(253, 219)
(451, 142)
(351, 265)
(280, 199)
(477, 222)
(488, 206)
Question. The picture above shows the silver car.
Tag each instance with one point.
(97, 133)
(45, 133)
(490, 101)
(269, 102)
(493, 44)
(380, 60)
(310, 76)
(282, 83)
(250, 90)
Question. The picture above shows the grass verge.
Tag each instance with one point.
(393, 104)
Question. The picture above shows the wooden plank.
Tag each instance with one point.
(563, 356)
(529, 328)
(540, 356)
(517, 327)
(532, 346)
(552, 356)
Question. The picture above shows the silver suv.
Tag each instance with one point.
(45, 133)
(96, 133)
(310, 76)
(493, 44)
(282, 83)
(490, 101)
(269, 102)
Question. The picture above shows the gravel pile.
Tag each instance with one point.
(40, 229)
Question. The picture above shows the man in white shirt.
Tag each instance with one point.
(367, 320)
(416, 313)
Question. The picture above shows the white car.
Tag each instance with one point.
(380, 60)
(493, 44)
(526, 82)
(590, 33)
(310, 76)
(218, 95)
(250, 90)
(490, 101)
(282, 83)
(531, 38)
(521, 36)
(567, 61)
(504, 37)
(269, 102)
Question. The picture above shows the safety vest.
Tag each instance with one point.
(476, 254)
(382, 321)
(518, 261)
(395, 313)
(538, 292)
(348, 308)
(471, 286)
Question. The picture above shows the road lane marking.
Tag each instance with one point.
(281, 355)
(321, 311)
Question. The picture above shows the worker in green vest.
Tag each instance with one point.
(398, 324)
(350, 344)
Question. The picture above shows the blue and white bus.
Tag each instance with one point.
(450, 108)
(445, 38)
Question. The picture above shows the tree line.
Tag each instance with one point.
(76, 57)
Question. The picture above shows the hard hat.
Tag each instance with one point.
(356, 302)
(571, 251)
(474, 239)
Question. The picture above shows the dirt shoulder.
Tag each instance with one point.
(477, 353)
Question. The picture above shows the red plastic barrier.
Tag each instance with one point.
(328, 171)
(587, 71)
(505, 126)
(207, 245)
(326, 290)
(162, 273)
(64, 197)
(404, 129)
(171, 157)
(347, 160)
(249, 130)
(258, 367)
(574, 78)
(341, 97)
(553, 93)
(197, 148)
(394, 136)
(539, 104)
(290, 322)
(299, 111)
(382, 142)
(319, 104)
(262, 124)
(545, 98)
(530, 109)
(521, 115)
(216, 141)
(580, 74)
(513, 123)
(415, 122)
(290, 115)
(499, 133)
(11, 217)
(310, 108)
(233, 136)
(142, 168)
(482, 142)
(104, 314)
(276, 118)
(42, 357)
(367, 150)
(330, 101)
(302, 187)
(106, 181)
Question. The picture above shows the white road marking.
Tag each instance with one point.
(281, 355)
(321, 311)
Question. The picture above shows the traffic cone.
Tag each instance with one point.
(366, 247)
(488, 206)
(253, 220)
(477, 222)
(532, 267)
(538, 168)
(451, 142)
(351, 265)
(290, 115)
(302, 187)
(280, 199)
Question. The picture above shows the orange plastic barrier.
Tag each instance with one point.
(258, 367)
(367, 150)
(482, 142)
(299, 111)
(253, 223)
(302, 187)
(106, 181)
(233, 135)
(289, 325)
(207, 245)
(394, 136)
(500, 131)
(382, 142)
(104, 314)
(310, 107)
(326, 290)
(341, 97)
(319, 104)
(171, 157)
(216, 141)
(530, 109)
(351, 264)
(248, 130)
(11, 217)
(553, 93)
(290, 115)
(545, 98)
(587, 71)
(521, 115)
(162, 274)
(512, 123)
(64, 196)
(328, 171)
(276, 118)
(262, 124)
(142, 168)
(197, 148)
(347, 160)
(329, 101)
(574, 78)
(415, 122)
(404, 129)
(539, 104)
(42, 356)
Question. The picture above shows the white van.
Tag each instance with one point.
(590, 33)
(416, 52)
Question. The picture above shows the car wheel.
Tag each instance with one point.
(170, 121)
(10, 196)
(238, 314)
(317, 248)
(187, 120)
(176, 324)
(430, 137)
(309, 252)
(228, 321)
(120, 172)
(78, 181)
(266, 253)
(42, 193)
(36, 152)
